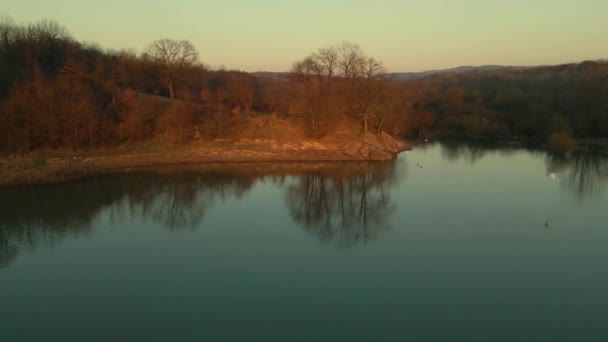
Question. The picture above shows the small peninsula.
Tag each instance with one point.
(264, 140)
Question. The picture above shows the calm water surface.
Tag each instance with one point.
(450, 242)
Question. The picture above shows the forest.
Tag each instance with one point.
(58, 93)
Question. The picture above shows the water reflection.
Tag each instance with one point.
(176, 200)
(341, 204)
(42, 216)
(30, 218)
(472, 152)
(344, 211)
(322, 196)
(583, 174)
(8, 251)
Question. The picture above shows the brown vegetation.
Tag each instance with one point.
(562, 142)
(339, 82)
(57, 93)
(172, 57)
(277, 140)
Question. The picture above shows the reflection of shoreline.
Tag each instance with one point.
(176, 198)
(471, 152)
(8, 251)
(582, 174)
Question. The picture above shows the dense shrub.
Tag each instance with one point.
(562, 142)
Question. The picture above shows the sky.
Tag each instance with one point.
(407, 35)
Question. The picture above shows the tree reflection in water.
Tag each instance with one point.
(8, 250)
(178, 199)
(42, 216)
(471, 152)
(343, 204)
(345, 209)
(581, 173)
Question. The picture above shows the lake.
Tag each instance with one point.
(449, 242)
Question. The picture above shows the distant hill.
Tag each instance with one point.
(279, 76)
(474, 70)
(407, 76)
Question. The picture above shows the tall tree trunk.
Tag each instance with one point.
(171, 90)
(380, 126)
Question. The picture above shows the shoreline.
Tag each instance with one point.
(582, 145)
(56, 167)
(62, 166)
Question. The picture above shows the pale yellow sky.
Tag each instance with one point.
(406, 35)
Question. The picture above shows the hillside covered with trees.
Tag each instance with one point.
(56, 92)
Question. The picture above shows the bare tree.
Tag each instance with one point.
(48, 30)
(370, 92)
(340, 80)
(172, 56)
(7, 31)
(373, 68)
(350, 59)
(310, 72)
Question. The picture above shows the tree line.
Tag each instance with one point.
(338, 82)
(56, 92)
(527, 103)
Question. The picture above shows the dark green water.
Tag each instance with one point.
(477, 244)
